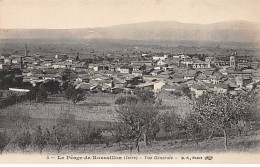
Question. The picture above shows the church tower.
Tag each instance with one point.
(232, 61)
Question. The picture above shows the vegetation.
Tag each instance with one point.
(75, 95)
(24, 140)
(136, 121)
(222, 111)
(4, 141)
(41, 138)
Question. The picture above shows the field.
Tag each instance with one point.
(99, 109)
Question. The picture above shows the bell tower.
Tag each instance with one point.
(232, 61)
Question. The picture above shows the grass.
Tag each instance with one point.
(249, 144)
(95, 108)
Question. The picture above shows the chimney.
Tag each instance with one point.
(26, 52)
(21, 62)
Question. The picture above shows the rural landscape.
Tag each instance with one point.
(144, 87)
(70, 96)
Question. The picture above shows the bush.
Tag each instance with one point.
(124, 99)
(41, 138)
(66, 132)
(24, 140)
(4, 141)
(89, 134)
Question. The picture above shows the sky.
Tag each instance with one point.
(64, 14)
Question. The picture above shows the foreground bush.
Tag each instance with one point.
(41, 138)
(24, 140)
(4, 141)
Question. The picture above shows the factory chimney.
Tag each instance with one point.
(26, 51)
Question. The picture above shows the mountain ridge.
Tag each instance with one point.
(228, 31)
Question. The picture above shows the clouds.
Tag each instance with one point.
(95, 13)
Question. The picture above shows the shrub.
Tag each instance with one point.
(24, 140)
(4, 141)
(124, 99)
(41, 138)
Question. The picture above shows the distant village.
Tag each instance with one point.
(160, 72)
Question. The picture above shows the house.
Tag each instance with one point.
(156, 72)
(231, 83)
(182, 56)
(137, 73)
(169, 68)
(136, 67)
(61, 56)
(125, 69)
(158, 85)
(198, 89)
(143, 62)
(243, 81)
(221, 88)
(117, 82)
(70, 60)
(7, 60)
(160, 57)
(187, 62)
(2, 59)
(190, 74)
(146, 86)
(84, 86)
(4, 66)
(209, 59)
(168, 88)
(160, 62)
(233, 73)
(100, 67)
(200, 64)
(217, 78)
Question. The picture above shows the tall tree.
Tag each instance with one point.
(142, 120)
(222, 111)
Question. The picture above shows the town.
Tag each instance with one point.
(128, 100)
(159, 72)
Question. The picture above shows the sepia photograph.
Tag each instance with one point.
(130, 81)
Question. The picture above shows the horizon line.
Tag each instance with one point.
(130, 24)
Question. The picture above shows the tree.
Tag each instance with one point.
(41, 95)
(77, 58)
(171, 123)
(186, 91)
(32, 94)
(41, 138)
(192, 126)
(142, 120)
(145, 95)
(51, 86)
(75, 95)
(222, 111)
(68, 75)
(4, 141)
